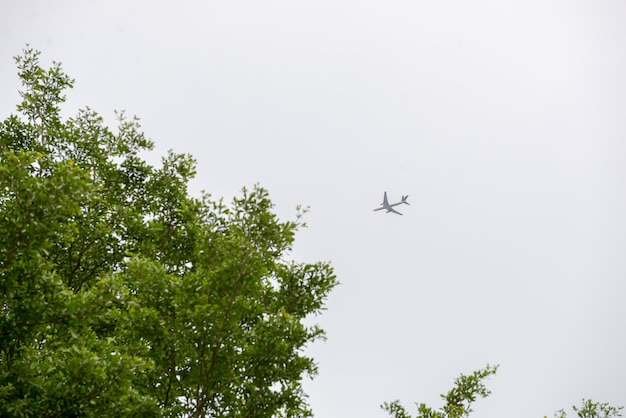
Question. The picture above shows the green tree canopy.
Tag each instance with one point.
(458, 400)
(591, 409)
(467, 388)
(121, 294)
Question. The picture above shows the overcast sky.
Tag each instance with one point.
(504, 122)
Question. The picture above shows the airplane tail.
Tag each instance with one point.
(404, 199)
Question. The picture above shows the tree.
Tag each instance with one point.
(590, 409)
(458, 400)
(120, 294)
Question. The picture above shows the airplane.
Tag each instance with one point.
(389, 207)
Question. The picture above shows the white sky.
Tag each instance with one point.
(503, 120)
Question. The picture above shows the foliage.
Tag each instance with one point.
(458, 400)
(590, 409)
(120, 294)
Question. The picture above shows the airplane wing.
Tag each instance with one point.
(390, 209)
(385, 201)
